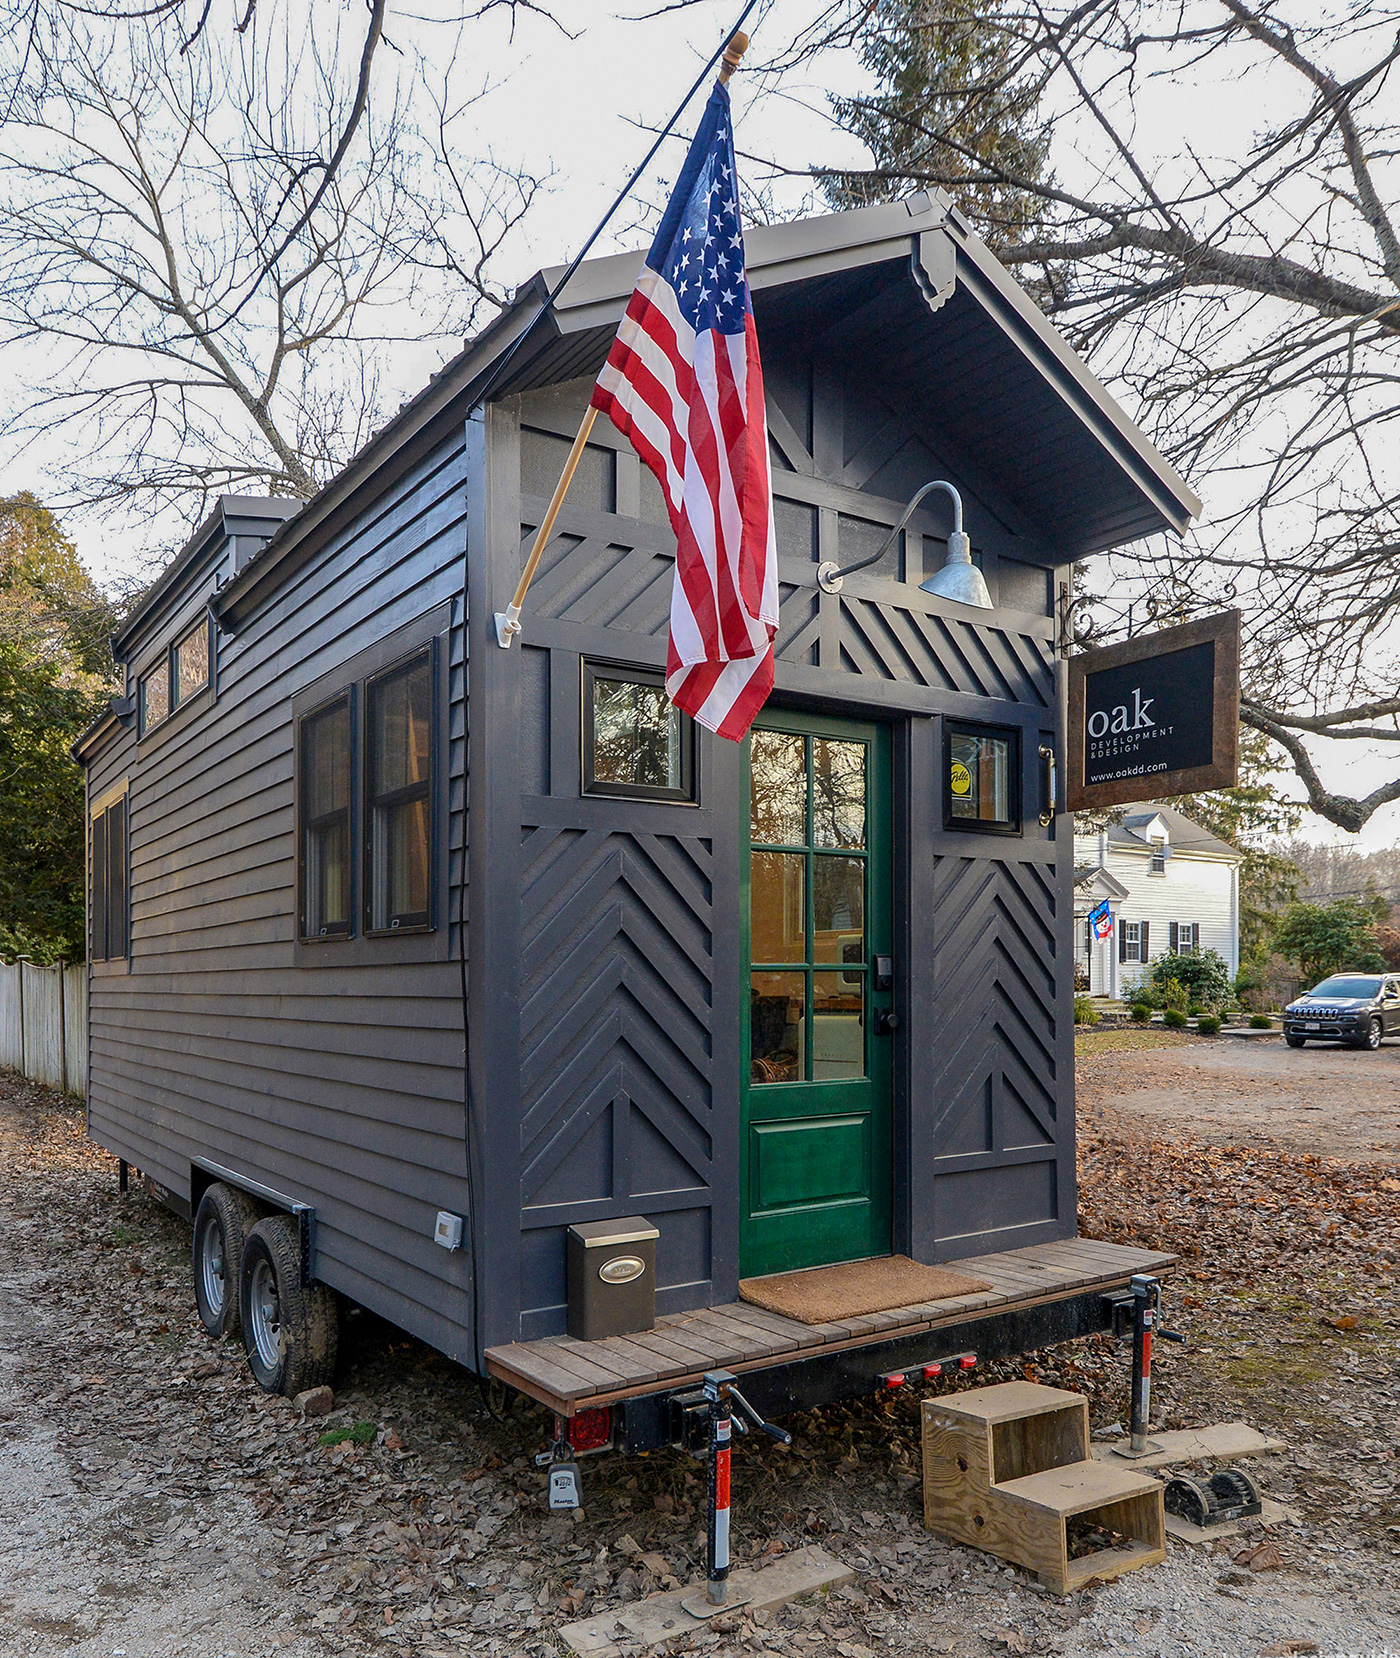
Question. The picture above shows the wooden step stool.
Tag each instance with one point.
(1006, 1468)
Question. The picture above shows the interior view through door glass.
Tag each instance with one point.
(808, 875)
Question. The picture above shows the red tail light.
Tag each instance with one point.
(591, 1429)
(932, 1372)
(897, 1379)
(968, 1362)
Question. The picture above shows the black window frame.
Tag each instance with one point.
(336, 933)
(170, 661)
(426, 655)
(687, 794)
(1015, 823)
(101, 860)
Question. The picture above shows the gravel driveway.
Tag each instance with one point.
(153, 1501)
(1257, 1091)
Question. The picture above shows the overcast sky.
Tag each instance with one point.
(583, 109)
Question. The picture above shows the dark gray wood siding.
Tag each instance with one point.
(331, 1074)
(609, 1011)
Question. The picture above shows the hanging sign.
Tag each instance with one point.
(1101, 920)
(1156, 715)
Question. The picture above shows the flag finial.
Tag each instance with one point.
(738, 45)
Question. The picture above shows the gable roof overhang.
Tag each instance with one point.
(904, 289)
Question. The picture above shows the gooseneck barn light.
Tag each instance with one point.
(959, 578)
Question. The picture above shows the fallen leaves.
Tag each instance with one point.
(1260, 1557)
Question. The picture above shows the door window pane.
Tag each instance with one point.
(192, 662)
(778, 906)
(777, 1037)
(838, 909)
(324, 805)
(981, 779)
(398, 825)
(778, 789)
(838, 1026)
(838, 793)
(155, 695)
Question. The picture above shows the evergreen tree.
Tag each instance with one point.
(56, 673)
(954, 96)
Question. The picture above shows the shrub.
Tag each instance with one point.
(1174, 1019)
(1195, 1010)
(1202, 975)
(1174, 997)
(1261, 1021)
(1141, 1011)
(1208, 1025)
(1085, 1013)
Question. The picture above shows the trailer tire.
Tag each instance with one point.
(291, 1330)
(222, 1222)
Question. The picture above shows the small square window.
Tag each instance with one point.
(192, 662)
(155, 695)
(635, 743)
(982, 765)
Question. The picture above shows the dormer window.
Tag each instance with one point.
(1158, 866)
(180, 672)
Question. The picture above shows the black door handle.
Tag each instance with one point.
(886, 1021)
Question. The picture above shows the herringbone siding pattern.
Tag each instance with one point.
(993, 1024)
(615, 1038)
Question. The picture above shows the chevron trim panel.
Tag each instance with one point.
(994, 1016)
(616, 1061)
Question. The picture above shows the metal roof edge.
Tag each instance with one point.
(84, 742)
(225, 508)
(1003, 298)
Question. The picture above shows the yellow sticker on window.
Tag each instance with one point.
(960, 778)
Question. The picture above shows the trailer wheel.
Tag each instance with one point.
(290, 1329)
(222, 1223)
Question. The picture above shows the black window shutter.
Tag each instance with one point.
(1122, 941)
(116, 879)
(1174, 937)
(99, 887)
(1142, 942)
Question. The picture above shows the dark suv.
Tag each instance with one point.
(1355, 1008)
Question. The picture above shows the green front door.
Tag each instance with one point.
(815, 1126)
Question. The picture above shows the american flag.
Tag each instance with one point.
(683, 382)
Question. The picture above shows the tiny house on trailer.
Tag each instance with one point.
(766, 1006)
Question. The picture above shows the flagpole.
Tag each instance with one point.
(508, 620)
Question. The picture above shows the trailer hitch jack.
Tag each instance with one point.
(1138, 1314)
(724, 1411)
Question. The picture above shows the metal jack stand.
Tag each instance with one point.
(1145, 1307)
(726, 1410)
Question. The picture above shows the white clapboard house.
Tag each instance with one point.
(1170, 887)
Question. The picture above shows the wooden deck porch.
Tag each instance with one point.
(568, 1375)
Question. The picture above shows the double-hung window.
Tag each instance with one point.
(1158, 862)
(326, 755)
(365, 793)
(1132, 941)
(108, 869)
(1183, 937)
(398, 827)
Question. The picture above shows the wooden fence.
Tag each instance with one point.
(43, 1023)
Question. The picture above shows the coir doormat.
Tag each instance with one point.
(822, 1295)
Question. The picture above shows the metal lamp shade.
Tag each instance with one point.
(959, 578)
